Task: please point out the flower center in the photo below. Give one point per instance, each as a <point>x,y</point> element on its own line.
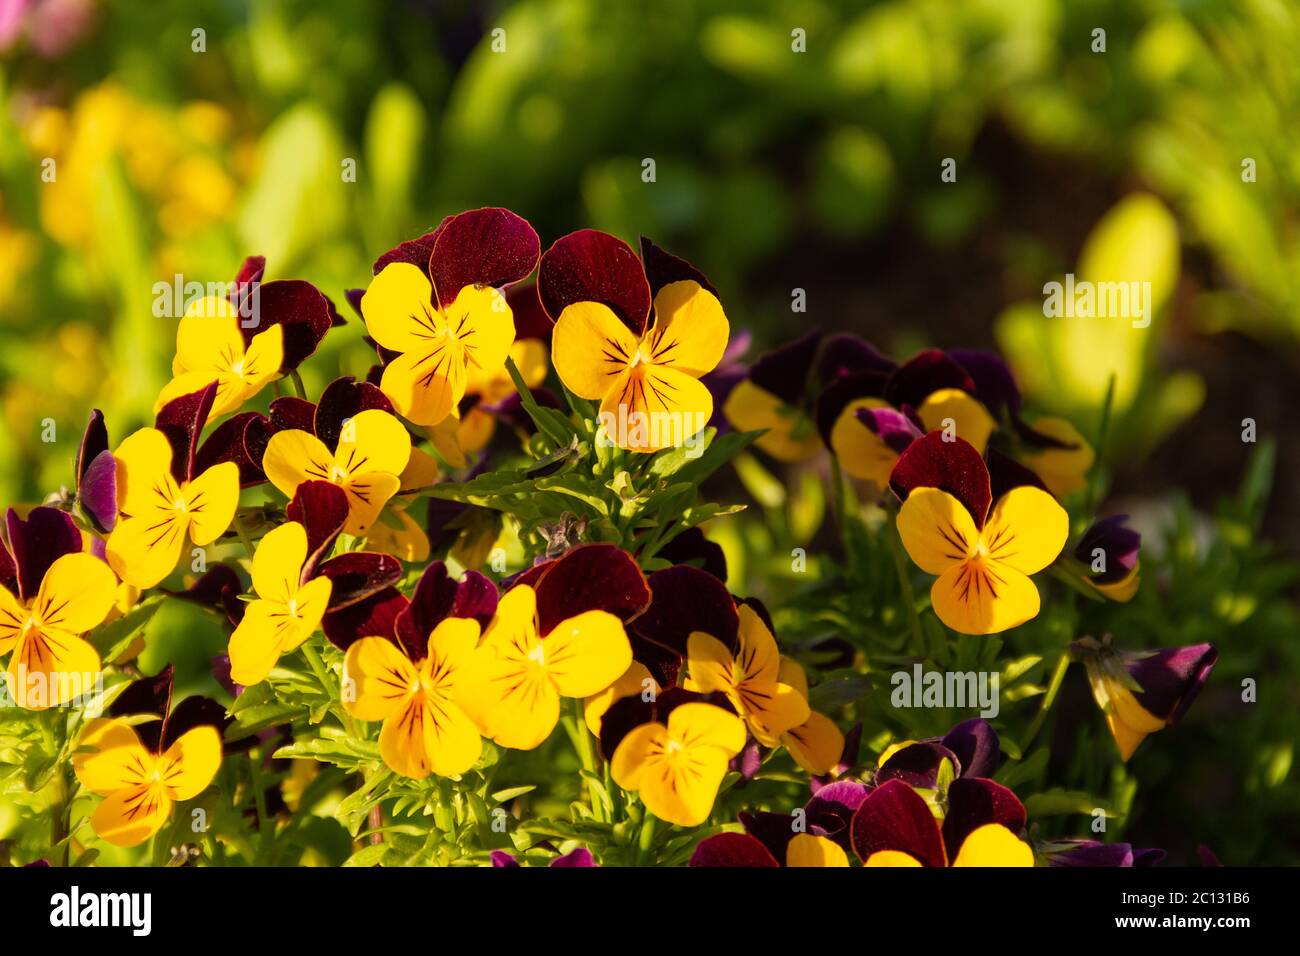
<point>238,369</point>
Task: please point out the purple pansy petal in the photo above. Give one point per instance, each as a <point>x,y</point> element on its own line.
<point>97,492</point>
<point>693,548</point>
<point>1005,473</point>
<point>685,600</point>
<point>94,441</point>
<point>995,386</point>
<point>785,370</point>
<point>1120,545</point>
<point>974,802</point>
<point>593,266</point>
<point>321,507</point>
<point>1091,853</point>
<point>229,441</point>
<point>476,597</point>
<point>923,375</point>
<point>500,858</point>
<point>896,429</point>
<point>975,744</point>
<point>181,420</point>
<point>749,761</point>
<point>431,602</point>
<point>1171,678</point>
<point>1207,856</point>
<point>847,354</point>
<point>482,247</point>
<point>372,616</point>
<point>895,817</point>
<point>590,577</point>
<point>342,399</point>
<point>663,268</point>
<point>47,535</point>
<point>221,674</point>
<point>955,467</point>
<point>353,297</point>
<point>581,857</point>
<point>918,765</point>
<point>356,575</point>
<point>832,807</point>
<point>732,849</point>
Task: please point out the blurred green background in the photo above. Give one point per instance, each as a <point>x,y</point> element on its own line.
<point>797,144</point>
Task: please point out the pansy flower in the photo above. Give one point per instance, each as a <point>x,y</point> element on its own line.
<point>365,458</point>
<point>435,305</point>
<point>634,334</point>
<point>1144,691</point>
<point>895,826</point>
<point>51,593</point>
<point>1053,449</point>
<point>983,550</point>
<point>816,837</point>
<point>419,684</point>
<point>676,767</point>
<point>290,600</point>
<point>301,311</point>
<point>1110,549</point>
<point>142,770</point>
<point>558,632</point>
<point>816,744</point>
<point>163,496</point>
<point>210,347</point>
<point>747,670</point>
<point>96,472</point>
<point>869,418</point>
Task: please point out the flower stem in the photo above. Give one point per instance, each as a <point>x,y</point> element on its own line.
<point>1049,699</point>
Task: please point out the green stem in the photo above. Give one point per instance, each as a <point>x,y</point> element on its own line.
<point>905,585</point>
<point>586,754</point>
<point>298,388</point>
<point>646,838</point>
<point>1049,699</point>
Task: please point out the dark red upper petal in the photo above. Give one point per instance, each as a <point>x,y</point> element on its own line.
<point>686,599</point>
<point>593,266</point>
<point>93,441</point>
<point>784,371</point>
<point>293,412</point>
<point>590,577</point>
<point>847,354</point>
<point>196,711</point>
<point>302,311</point>
<point>482,247</point>
<point>47,535</point>
<point>692,547</point>
<point>182,420</point>
<point>952,466</point>
<point>531,320</point>
<point>417,252</point>
<point>1006,473</point>
<point>732,849</point>
<point>918,764</point>
<point>342,399</point>
<point>372,616</point>
<point>995,386</point>
<point>895,817</point>
<point>355,575</point>
<point>663,268</point>
<point>242,439</point>
<point>321,507</point>
<point>974,802</point>
<point>924,374</point>
<point>843,391</point>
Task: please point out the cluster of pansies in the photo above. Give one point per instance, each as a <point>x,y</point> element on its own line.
<point>343,543</point>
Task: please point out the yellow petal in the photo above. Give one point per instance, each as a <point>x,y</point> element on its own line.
<point>791,672</point>
<point>590,347</point>
<point>446,440</point>
<point>937,530</point>
<point>403,740</point>
<point>816,745</point>
<point>586,653</point>
<point>293,456</point>
<point>367,494</point>
<point>425,386</point>
<point>395,532</point>
<point>278,561</point>
<point>311,603</point>
<point>398,308</point>
<point>77,593</point>
<point>377,678</point>
<point>709,663</point>
<point>758,653</point>
<point>700,725</point>
<point>772,709</point>
<point>862,453</point>
<point>791,435</point>
<point>211,499</point>
<point>1026,529</point>
<point>690,331</point>
<point>519,704</point>
<point>373,440</point>
<point>190,763</point>
<point>144,480</point>
<point>1129,721</point>
<point>229,394</point>
<point>984,597</point>
<point>50,667</point>
<point>891,858</point>
<point>420,471</point>
<point>452,738</point>
<point>258,641</point>
<point>807,849</point>
<point>677,769</point>
<point>484,328</point>
<point>1063,470</point>
<point>144,550</point>
<point>653,407</point>
<point>969,419</point>
<point>993,845</point>
<point>263,359</point>
<point>109,756</point>
<point>12,618</point>
<point>514,623</point>
<point>208,337</point>
<point>131,815</point>
<point>451,652</point>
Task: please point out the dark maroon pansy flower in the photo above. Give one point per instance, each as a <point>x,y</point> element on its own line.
<point>1119,544</point>
<point>628,713</point>
<point>96,472</point>
<point>153,695</point>
<point>588,577</point>
<point>46,535</point>
<point>974,802</point>
<point>302,311</point>
<point>951,466</point>
<point>684,600</point>
<point>321,507</point>
<point>438,596</point>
